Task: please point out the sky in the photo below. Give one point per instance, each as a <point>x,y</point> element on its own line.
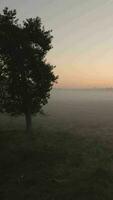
<point>83,38</point>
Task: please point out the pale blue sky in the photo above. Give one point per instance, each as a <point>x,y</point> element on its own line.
<point>83,38</point>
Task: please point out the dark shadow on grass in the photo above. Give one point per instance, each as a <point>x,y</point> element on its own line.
<point>56,166</point>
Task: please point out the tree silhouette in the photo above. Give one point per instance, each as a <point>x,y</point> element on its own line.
<point>26,79</point>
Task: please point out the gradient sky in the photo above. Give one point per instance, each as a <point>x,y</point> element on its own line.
<point>83,38</point>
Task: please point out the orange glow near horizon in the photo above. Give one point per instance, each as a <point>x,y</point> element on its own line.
<point>87,70</point>
<point>83,38</point>
<point>84,83</point>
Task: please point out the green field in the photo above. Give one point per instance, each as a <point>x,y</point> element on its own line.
<point>54,164</point>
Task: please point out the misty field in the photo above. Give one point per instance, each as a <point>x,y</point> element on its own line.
<point>70,154</point>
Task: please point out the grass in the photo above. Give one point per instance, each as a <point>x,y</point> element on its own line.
<point>55,166</point>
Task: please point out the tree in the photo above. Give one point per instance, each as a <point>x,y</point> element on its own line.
<point>26,78</point>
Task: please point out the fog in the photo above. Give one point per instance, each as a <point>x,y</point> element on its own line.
<point>73,109</point>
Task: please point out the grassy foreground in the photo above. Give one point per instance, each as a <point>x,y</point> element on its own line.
<point>55,166</point>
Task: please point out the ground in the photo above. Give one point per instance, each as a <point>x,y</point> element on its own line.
<point>56,165</point>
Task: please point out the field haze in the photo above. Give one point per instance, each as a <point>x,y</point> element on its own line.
<point>70,154</point>
<point>71,109</point>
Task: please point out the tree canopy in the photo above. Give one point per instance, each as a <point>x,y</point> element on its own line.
<point>26,78</point>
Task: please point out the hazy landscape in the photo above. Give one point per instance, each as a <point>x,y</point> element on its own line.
<point>70,153</point>
<point>69,110</point>
<point>56,141</point>
<point>81,108</point>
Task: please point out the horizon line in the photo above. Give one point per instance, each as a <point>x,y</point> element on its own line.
<point>85,88</point>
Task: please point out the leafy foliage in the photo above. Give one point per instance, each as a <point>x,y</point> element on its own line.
<point>25,77</point>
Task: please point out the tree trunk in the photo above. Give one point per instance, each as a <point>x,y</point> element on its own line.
<point>28,122</point>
